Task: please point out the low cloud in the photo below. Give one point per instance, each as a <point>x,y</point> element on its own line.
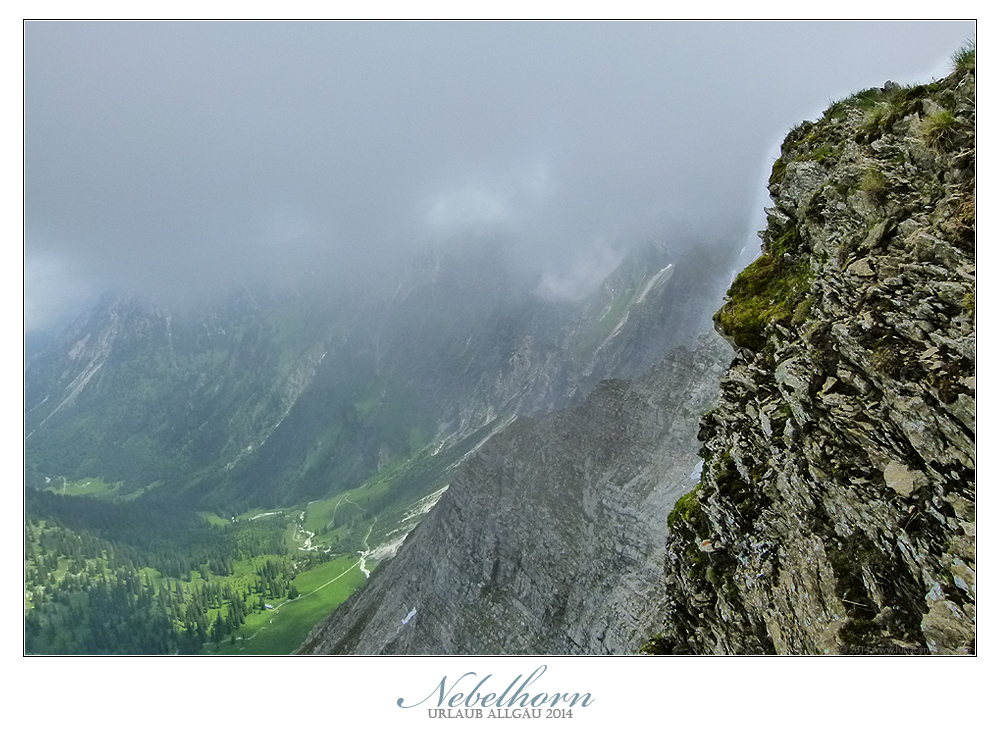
<point>582,277</point>
<point>467,208</point>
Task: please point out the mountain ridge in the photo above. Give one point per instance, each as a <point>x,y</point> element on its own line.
<point>836,512</point>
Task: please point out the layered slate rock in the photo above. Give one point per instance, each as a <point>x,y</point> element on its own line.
<point>836,512</point>
<point>550,539</point>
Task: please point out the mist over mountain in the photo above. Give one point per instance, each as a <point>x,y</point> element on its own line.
<point>281,392</point>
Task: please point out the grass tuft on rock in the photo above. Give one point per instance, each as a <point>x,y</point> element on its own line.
<point>937,127</point>
<point>965,58</point>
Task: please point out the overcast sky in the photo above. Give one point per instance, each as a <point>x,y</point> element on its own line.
<point>175,157</point>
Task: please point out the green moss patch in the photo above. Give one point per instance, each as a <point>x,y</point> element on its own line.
<point>687,508</point>
<point>768,291</point>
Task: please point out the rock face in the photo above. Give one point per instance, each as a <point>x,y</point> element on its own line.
<point>836,511</point>
<point>550,539</point>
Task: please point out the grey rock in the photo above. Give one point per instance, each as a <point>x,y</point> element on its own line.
<point>861,267</point>
<point>898,478</point>
<point>802,179</point>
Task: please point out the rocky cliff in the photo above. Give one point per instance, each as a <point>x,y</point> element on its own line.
<point>550,539</point>
<point>836,508</point>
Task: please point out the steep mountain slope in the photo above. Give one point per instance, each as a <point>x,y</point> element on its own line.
<point>131,393</point>
<point>549,540</point>
<point>285,396</point>
<point>836,512</point>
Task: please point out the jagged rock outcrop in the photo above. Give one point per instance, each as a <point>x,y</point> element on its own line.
<point>836,510</point>
<point>549,540</point>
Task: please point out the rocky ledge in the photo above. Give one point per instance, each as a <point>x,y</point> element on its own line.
<point>836,508</point>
